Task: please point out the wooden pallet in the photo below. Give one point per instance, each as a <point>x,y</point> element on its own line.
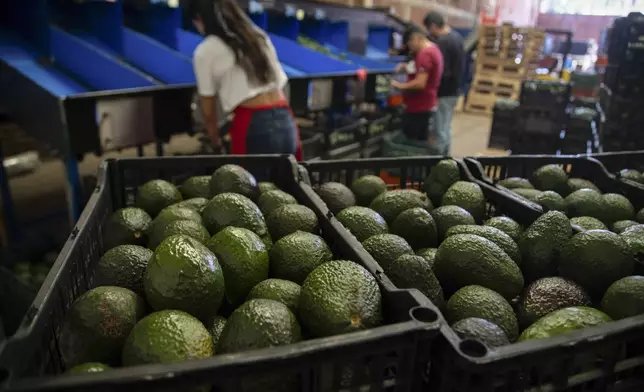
<point>501,85</point>
<point>505,69</point>
<point>482,101</point>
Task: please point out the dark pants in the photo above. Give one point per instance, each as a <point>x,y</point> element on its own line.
<point>264,130</point>
<point>417,126</point>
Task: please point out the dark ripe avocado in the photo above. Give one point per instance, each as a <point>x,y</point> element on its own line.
<point>198,186</point>
<point>167,216</point>
<point>155,195</point>
<point>634,237</point>
<point>184,275</point>
<point>563,321</point>
<point>530,194</point>
<point>243,258</point>
<point>616,208</point>
<point>495,235</point>
<point>575,184</point>
<point>339,297</point>
<point>269,201</point>
<point>266,186</point>
<point>595,259</point>
<point>468,259</point>
<point>89,367</point>
<point>233,179</point>
<point>216,327</point>
<point>551,201</point>
<point>541,245</point>
<point>233,209</point>
<point>551,178</point>
<point>97,324</point>
<point>429,254</point>
<point>481,302</point>
<point>467,195</point>
<point>290,218</point>
<point>196,203</point>
<point>482,330</point>
<point>506,225</point>
<point>414,272</point>
<point>588,223</point>
<point>167,336</point>
<point>367,188</point>
<point>362,222</point>
<point>585,202</point>
<point>259,323</point>
<point>620,226</point>
<point>446,217</point>
<point>336,196</point>
<point>293,257</point>
<point>632,175</point>
<point>123,266</point>
<point>386,248</point>
<point>624,298</point>
<point>127,226</point>
<point>417,227</point>
<point>279,290</point>
<point>516,183</point>
<point>392,203</point>
<point>547,295</point>
<point>188,227</point>
<point>441,177</point>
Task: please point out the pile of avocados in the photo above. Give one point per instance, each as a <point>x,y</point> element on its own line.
<point>219,264</point>
<point>632,175</point>
<point>495,280</point>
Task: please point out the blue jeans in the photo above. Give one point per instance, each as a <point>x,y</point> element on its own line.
<point>264,131</point>
<point>444,116</point>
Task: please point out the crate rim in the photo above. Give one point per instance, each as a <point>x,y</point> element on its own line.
<point>599,156</point>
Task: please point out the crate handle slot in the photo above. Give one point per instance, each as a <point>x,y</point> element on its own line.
<point>423,314</point>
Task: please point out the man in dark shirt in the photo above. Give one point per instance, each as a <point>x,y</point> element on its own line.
<point>451,46</point>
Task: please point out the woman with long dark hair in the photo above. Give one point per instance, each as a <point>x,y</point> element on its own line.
<point>237,67</point>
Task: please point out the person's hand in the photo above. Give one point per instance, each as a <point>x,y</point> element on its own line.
<point>400,67</point>
<point>216,141</point>
<point>396,84</point>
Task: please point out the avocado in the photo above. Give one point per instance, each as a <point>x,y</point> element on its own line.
<point>127,226</point>
<point>232,209</point>
<point>575,184</point>
<point>615,208</point>
<point>429,254</point>
<point>339,297</point>
<point>441,177</point>
<point>362,222</point>
<point>184,275</point>
<point>197,186</point>
<point>551,201</point>
<point>390,204</point>
<point>547,295</point>
<point>529,194</point>
<point>167,216</point>
<point>551,178</point>
<point>585,202</point>
<point>269,201</point>
<point>97,324</point>
<point>187,227</point>
<point>634,237</point>
<point>89,367</point>
<point>481,302</point>
<point>516,183</point>
<point>495,235</point>
<point>506,225</point>
<point>279,290</point>
<point>417,227</point>
<point>595,259</point>
<point>414,272</point>
<point>620,226</point>
<point>632,175</point>
<point>167,336</point>
<point>123,266</point>
<point>155,195</point>
<point>266,186</point>
<point>640,216</point>
<point>386,248</point>
<point>243,258</point>
<point>259,323</point>
<point>588,223</point>
<point>367,188</point>
<point>215,328</point>
<point>290,218</point>
<point>196,203</point>
<point>624,298</point>
<point>293,257</point>
<point>468,259</point>
<point>563,321</point>
<point>482,330</point>
<point>446,217</point>
<point>336,196</point>
<point>233,179</point>
<point>467,195</point>
<point>541,245</point>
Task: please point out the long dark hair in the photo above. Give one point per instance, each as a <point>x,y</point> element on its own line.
<point>226,20</point>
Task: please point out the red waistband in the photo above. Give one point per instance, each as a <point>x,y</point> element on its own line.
<point>240,110</point>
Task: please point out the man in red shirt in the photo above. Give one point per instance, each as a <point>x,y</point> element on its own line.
<point>420,92</point>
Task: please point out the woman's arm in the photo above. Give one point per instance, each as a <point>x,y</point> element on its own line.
<point>204,67</point>
<point>208,106</point>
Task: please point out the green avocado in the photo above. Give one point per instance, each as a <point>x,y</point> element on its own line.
<point>429,254</point>
<point>634,237</point>
<point>271,200</point>
<point>447,217</point>
<point>293,257</point>
<point>624,298</point>
<point>290,218</point>
<point>529,194</point>
<point>164,218</point>
<point>386,248</point>
<point>266,186</point>
<point>127,226</point>
<point>155,195</point>
<point>441,177</point>
<point>390,204</point>
<point>89,367</point>
<point>620,226</point>
<point>362,222</point>
<point>632,175</point>
<point>367,188</point>
<point>190,228</point>
<point>616,207</point>
<point>585,202</point>
<point>563,321</point>
<point>541,245</point>
<point>467,195</point>
<point>197,186</point>
<point>588,223</point>
<point>417,227</point>
<point>279,290</point>
<point>336,196</point>
<point>551,201</point>
<point>123,266</point>
<point>575,184</point>
<point>516,183</point>
<point>233,179</point>
<point>506,225</point>
<point>196,203</point>
<point>551,178</point>
<point>482,330</point>
<point>414,272</point>
<point>547,295</point>
<point>640,216</point>
<point>216,327</point>
<point>233,209</point>
<point>495,235</point>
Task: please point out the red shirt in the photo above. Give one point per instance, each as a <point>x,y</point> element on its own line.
<point>429,60</point>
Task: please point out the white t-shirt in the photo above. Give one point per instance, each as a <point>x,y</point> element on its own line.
<point>219,75</point>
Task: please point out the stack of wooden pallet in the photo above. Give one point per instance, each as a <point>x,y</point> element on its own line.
<point>506,56</point>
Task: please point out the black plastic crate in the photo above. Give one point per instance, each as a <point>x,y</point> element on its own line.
<point>542,94</point>
<point>617,161</point>
<point>391,357</point>
<point>504,124</point>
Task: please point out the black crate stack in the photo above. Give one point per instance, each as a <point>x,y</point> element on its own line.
<point>623,95</point>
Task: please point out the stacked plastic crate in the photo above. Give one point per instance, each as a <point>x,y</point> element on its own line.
<point>623,98</point>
